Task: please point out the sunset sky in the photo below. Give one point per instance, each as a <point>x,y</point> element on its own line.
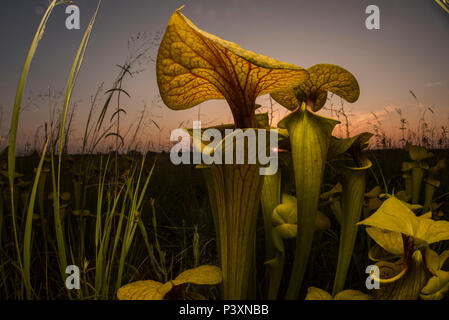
<point>409,52</point>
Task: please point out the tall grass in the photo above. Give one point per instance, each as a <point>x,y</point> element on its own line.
<point>114,230</point>
<point>15,121</point>
<point>85,209</point>
<point>29,225</point>
<point>57,180</point>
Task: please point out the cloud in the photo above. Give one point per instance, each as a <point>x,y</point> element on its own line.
<point>434,84</point>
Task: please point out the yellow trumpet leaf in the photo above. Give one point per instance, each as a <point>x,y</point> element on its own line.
<point>141,290</point>
<point>194,66</point>
<point>205,274</point>
<point>285,218</point>
<point>339,146</point>
<point>314,293</point>
<point>154,290</point>
<point>322,78</point>
<point>352,295</point>
<point>394,215</point>
<point>417,153</point>
<point>374,192</point>
<point>332,192</point>
<point>388,240</point>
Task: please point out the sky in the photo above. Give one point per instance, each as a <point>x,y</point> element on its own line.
<point>408,52</point>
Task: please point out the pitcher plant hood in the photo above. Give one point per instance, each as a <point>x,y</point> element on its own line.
<point>313,91</point>
<point>194,66</point>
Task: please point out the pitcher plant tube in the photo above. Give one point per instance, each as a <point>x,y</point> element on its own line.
<point>417,167</point>
<point>194,66</point>
<point>310,138</point>
<point>353,173</point>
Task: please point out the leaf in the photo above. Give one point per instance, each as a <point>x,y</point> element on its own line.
<point>402,195</point>
<point>443,4</point>
<point>194,66</point>
<point>388,240</point>
<point>388,270</point>
<point>374,192</point>
<point>277,242</point>
<point>377,253</point>
<point>394,215</point>
<point>286,98</point>
<point>65,196</point>
<point>432,260</point>
<point>322,221</point>
<point>441,164</point>
<point>407,166</point>
<point>263,120</point>
<point>285,220</point>
<point>154,290</point>
<point>284,213</point>
<point>288,199</point>
<point>437,286</point>
<point>433,182</point>
<point>332,192</point>
<point>117,112</point>
<point>287,231</point>
<point>352,295</point>
<point>83,213</point>
<point>443,257</point>
<point>338,146</point>
<point>141,290</point>
<point>5,174</point>
<point>116,135</point>
<point>119,90</point>
<point>206,274</point>
<point>418,153</point>
<point>322,78</point>
<point>314,293</point>
<point>373,203</point>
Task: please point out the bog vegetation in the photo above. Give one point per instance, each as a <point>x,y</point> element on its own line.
<point>139,227</point>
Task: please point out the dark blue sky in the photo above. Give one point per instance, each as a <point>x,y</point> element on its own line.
<point>410,51</point>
